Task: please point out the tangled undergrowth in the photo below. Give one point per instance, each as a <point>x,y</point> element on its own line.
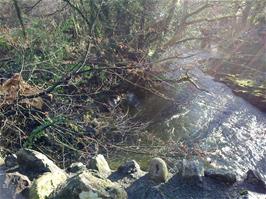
<point>70,69</point>
<point>68,93</point>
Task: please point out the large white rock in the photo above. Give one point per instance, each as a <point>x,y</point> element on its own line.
<point>87,186</point>
<point>47,183</point>
<point>100,164</point>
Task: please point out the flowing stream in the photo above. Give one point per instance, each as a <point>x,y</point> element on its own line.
<point>228,129</point>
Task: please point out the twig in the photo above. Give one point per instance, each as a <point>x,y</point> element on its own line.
<point>18,11</point>
<point>197,10</point>
<point>65,79</point>
<point>34,5</point>
<point>194,84</point>
<point>80,13</point>
<point>173,57</point>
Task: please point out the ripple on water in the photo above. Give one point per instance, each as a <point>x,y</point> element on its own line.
<point>225,126</point>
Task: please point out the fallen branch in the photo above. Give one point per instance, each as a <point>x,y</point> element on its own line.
<point>173,57</point>
<point>66,78</point>
<point>34,5</point>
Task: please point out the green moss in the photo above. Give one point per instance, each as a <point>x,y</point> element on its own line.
<point>3,43</point>
<point>142,159</point>
<point>241,82</point>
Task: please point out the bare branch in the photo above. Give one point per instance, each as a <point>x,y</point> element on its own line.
<point>18,11</point>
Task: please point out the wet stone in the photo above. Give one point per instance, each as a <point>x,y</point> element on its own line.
<point>221,175</point>
<point>254,178</point>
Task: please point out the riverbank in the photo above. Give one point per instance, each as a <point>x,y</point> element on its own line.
<point>34,176</point>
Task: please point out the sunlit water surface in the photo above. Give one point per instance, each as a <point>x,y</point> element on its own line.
<point>229,130</point>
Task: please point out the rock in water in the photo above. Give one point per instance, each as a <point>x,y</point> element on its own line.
<point>34,163</point>
<point>46,184</point>
<point>100,164</point>
<point>86,186</point>
<point>254,178</point>
<point>158,170</point>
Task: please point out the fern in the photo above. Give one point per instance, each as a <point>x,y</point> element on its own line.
<point>39,132</point>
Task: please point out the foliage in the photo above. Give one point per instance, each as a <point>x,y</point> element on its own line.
<point>39,131</point>
<point>88,53</point>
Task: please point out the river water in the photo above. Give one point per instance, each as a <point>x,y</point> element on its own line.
<point>226,128</point>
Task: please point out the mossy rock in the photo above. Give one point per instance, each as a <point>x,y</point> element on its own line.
<point>100,164</point>
<point>158,170</point>
<point>87,186</point>
<point>43,186</point>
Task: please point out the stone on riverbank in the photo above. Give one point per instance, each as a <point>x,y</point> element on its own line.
<point>2,161</point>
<point>254,178</point>
<point>158,170</point>
<point>129,181</point>
<point>99,164</point>
<point>34,163</point>
<point>17,184</point>
<point>222,175</point>
<point>130,167</point>
<point>192,169</point>
<point>11,160</point>
<point>86,186</point>
<point>43,186</point>
<point>76,167</point>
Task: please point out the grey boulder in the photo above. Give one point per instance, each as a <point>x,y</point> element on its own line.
<point>222,175</point>
<point>100,164</point>
<point>34,163</point>
<point>85,186</point>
